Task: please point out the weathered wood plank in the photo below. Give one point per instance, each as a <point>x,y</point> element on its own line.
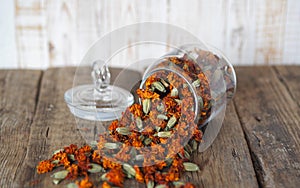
<point>290,76</point>
<point>270,119</point>
<point>18,94</point>
<point>227,163</point>
<point>54,127</point>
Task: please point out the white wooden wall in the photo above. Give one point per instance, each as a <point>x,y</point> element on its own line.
<point>58,32</point>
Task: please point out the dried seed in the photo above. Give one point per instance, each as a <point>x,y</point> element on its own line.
<point>174,92</point>
<point>190,166</point>
<point>139,157</point>
<point>55,161</point>
<point>178,101</point>
<point>147,141</point>
<point>186,67</point>
<point>152,88</point>
<point>162,116</point>
<point>57,151</point>
<point>146,105</point>
<point>188,148</point>
<point>96,168</point>
<point>171,122</point>
<point>169,161</point>
<point>200,102</point>
<point>72,185</point>
<point>110,145</point>
<point>161,186</point>
<point>178,184</point>
<point>160,107</point>
<point>56,181</point>
<point>139,123</point>
<point>94,144</point>
<point>60,174</point>
<point>132,152</point>
<point>186,154</point>
<point>71,156</point>
<point>194,145</point>
<point>164,134</point>
<point>159,86</point>
<point>123,130</point>
<point>180,155</point>
<point>150,184</point>
<point>196,83</point>
<point>129,169</point>
<point>157,128</point>
<point>142,137</point>
<point>164,82</point>
<point>103,177</point>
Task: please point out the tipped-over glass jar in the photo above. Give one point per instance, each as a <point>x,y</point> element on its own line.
<point>201,79</point>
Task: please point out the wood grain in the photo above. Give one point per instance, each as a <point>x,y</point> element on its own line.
<point>290,76</point>
<point>249,32</point>
<point>270,118</point>
<point>227,163</point>
<point>19,94</point>
<point>53,127</point>
<point>263,118</point>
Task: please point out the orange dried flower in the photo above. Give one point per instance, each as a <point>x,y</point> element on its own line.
<point>165,121</point>
<point>136,110</point>
<point>197,135</point>
<point>139,175</point>
<point>85,149</point>
<point>73,172</point>
<point>113,125</point>
<point>189,185</point>
<point>65,161</point>
<point>85,183</point>
<point>116,176</point>
<point>150,80</point>
<point>45,166</point>
<point>70,149</point>
<point>105,185</point>
<point>146,94</point>
<point>96,158</point>
<point>107,163</point>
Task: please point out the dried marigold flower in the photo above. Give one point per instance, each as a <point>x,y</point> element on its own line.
<point>172,175</point>
<point>85,149</point>
<point>85,183</point>
<point>96,158</point>
<point>139,175</point>
<point>197,135</point>
<point>59,156</point>
<point>45,166</point>
<point>146,94</point>
<point>136,110</point>
<point>70,149</point>
<point>189,185</point>
<point>116,176</point>
<point>114,125</point>
<point>107,163</point>
<point>105,185</point>
<point>73,172</point>
<point>65,161</point>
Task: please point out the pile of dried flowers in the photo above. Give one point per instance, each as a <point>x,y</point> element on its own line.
<point>147,142</point>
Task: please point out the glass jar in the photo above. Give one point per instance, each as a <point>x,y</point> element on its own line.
<point>202,80</point>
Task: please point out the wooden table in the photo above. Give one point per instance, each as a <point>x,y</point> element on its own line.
<point>258,145</point>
